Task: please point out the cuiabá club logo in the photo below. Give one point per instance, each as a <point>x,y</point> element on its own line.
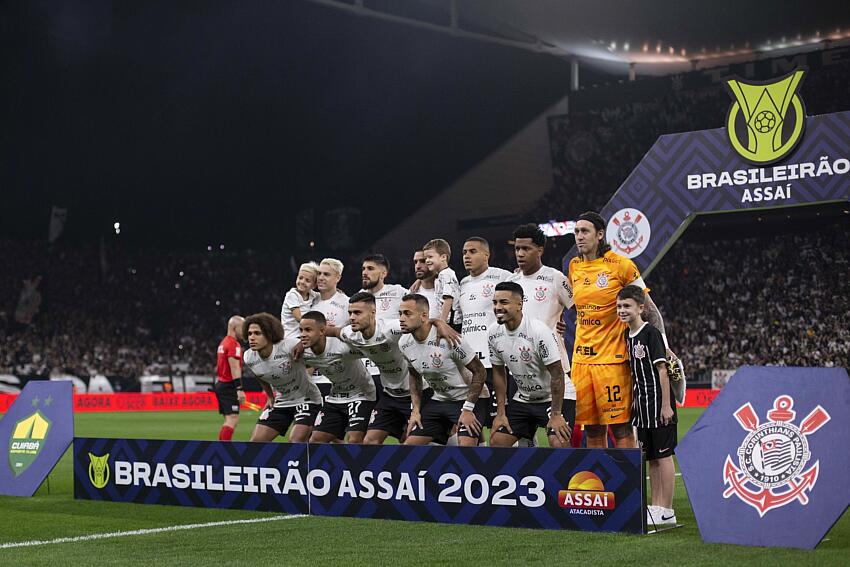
<point>760,125</point>
<point>27,441</point>
<point>772,459</point>
<point>585,491</point>
<point>628,233</point>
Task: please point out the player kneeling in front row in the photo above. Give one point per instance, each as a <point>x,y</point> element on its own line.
<point>292,396</point>
<point>653,409</point>
<point>529,349</point>
<point>446,368</point>
<point>349,404</point>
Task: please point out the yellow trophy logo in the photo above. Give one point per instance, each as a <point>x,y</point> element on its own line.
<point>27,441</point>
<point>760,126</point>
<point>99,470</point>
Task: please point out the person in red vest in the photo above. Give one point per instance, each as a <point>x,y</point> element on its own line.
<point>228,386</point>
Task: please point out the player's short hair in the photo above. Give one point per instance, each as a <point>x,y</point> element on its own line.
<point>379,259</point>
<point>421,301</point>
<point>333,263</point>
<point>599,224</point>
<point>270,326</point>
<point>311,267</point>
<point>316,316</point>
<point>440,246</point>
<point>512,287</point>
<point>632,292</point>
<point>480,240</point>
<point>532,231</point>
<point>362,297</point>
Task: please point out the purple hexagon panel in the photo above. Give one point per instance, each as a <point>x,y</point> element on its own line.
<point>766,464</point>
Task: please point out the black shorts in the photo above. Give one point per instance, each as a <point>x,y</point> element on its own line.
<point>439,418</point>
<point>228,401</point>
<point>336,418</point>
<point>391,415</point>
<point>324,388</point>
<point>511,390</point>
<point>280,419</point>
<point>525,417</point>
<point>658,442</point>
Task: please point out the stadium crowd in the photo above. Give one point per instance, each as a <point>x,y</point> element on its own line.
<point>100,309</point>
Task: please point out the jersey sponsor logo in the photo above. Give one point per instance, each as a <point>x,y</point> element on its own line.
<point>27,441</point>
<point>585,350</point>
<point>544,350</point>
<point>586,495</point>
<point>540,293</point>
<point>639,351</point>
<point>602,280</point>
<point>525,354</point>
<point>757,119</point>
<point>772,458</point>
<point>436,360</point>
<point>487,290</point>
<point>99,470</point>
<point>629,232</point>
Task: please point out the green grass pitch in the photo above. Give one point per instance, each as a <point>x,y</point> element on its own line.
<point>332,541</point>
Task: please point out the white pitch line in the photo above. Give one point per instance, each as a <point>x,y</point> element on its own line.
<point>108,535</point>
<point>677,474</point>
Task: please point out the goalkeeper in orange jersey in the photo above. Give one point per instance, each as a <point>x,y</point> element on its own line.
<point>600,366</point>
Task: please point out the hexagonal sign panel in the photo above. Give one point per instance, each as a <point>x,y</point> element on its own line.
<point>766,464</point>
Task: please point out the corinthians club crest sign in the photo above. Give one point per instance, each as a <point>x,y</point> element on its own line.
<point>773,457</point>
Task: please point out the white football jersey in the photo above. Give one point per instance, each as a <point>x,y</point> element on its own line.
<point>335,311</point>
<point>387,301</point>
<point>475,305</point>
<point>428,293</point>
<point>383,352</point>
<point>526,351</point>
<point>446,285</point>
<point>547,293</point>
<point>341,364</point>
<point>440,364</point>
<point>288,378</point>
<point>292,301</point>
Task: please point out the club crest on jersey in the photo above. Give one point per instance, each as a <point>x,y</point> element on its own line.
<point>602,281</point>
<point>540,293</point>
<point>525,354</point>
<point>639,351</point>
<point>773,456</point>
<point>487,290</point>
<point>436,360</point>
<point>628,232</point>
<point>385,303</point>
<point>385,347</point>
<point>285,365</point>
<point>337,367</point>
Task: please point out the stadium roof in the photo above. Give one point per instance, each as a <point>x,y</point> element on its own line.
<point>660,37</point>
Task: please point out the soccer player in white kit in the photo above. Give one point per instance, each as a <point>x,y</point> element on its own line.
<point>292,398</point>
<point>333,304</point>
<point>475,304</point>
<point>547,292</point>
<point>375,269</point>
<point>456,399</point>
<point>299,299</point>
<point>424,284</point>
<point>529,349</point>
<point>349,404</point>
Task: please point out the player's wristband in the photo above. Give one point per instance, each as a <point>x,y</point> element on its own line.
<point>469,406</point>
<point>664,339</point>
<point>238,383</point>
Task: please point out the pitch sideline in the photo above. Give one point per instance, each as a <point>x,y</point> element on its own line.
<point>147,531</point>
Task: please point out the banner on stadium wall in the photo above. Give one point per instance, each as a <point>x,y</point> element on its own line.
<point>766,464</point>
<point>35,432</point>
<point>769,156</point>
<point>579,489</point>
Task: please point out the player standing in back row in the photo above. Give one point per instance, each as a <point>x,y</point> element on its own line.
<point>600,362</point>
